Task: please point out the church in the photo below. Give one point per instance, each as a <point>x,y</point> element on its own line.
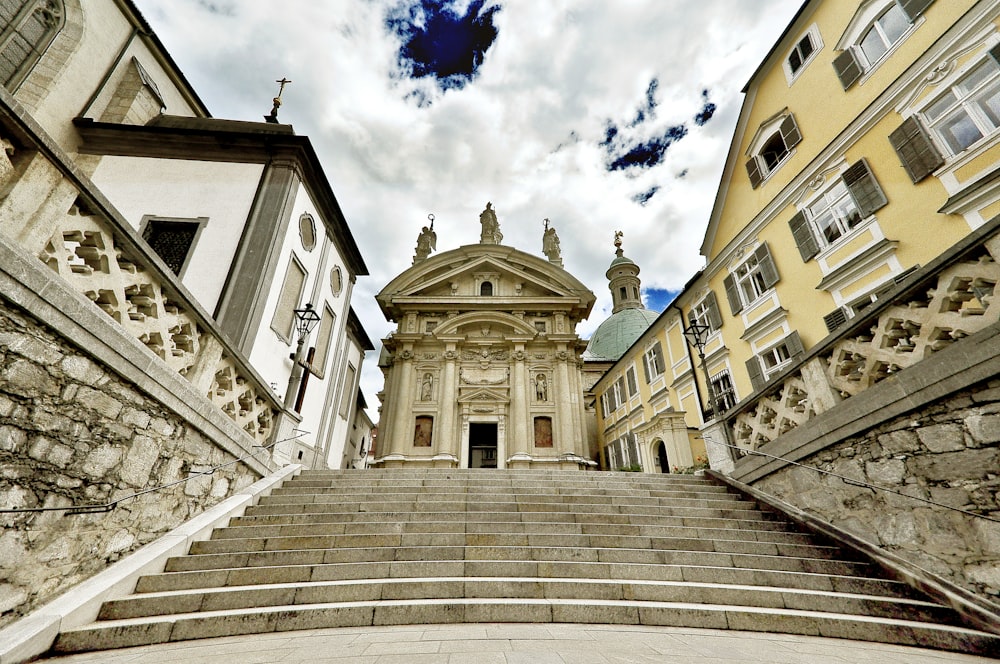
<point>484,368</point>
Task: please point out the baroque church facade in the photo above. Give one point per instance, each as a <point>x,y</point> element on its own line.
<point>484,368</point>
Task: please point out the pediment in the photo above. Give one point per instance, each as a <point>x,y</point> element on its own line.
<point>484,395</point>
<point>485,324</point>
<point>464,280</point>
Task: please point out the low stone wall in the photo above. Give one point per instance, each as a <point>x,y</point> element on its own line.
<point>948,452</point>
<point>72,432</point>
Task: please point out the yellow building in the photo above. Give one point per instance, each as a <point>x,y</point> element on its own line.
<point>867,145</point>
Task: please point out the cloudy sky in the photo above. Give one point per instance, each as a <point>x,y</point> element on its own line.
<point>600,115</point>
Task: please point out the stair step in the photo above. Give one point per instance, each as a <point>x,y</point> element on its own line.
<point>258,620</point>
<point>327,592</point>
<point>353,548</point>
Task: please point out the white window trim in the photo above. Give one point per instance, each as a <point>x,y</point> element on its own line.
<point>765,133</point>
<point>817,41</point>
<point>827,247</point>
<point>858,28</point>
<point>955,161</point>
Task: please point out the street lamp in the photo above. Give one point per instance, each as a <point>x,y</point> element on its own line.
<point>305,321</point>
<point>697,335</point>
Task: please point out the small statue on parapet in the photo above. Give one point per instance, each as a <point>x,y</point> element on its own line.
<point>426,241</point>
<point>550,245</point>
<point>491,227</point>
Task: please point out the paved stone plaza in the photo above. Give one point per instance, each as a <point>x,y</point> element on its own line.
<point>520,644</point>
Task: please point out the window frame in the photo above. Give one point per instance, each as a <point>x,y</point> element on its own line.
<point>150,220</point>
<point>55,13</point>
<point>858,185</point>
<point>853,66</point>
<point>765,267</point>
<point>816,42</point>
<point>727,395</point>
<point>652,356</point>
<point>966,104</point>
<point>318,365</point>
<point>761,372</point>
<point>706,312</point>
<point>783,128</point>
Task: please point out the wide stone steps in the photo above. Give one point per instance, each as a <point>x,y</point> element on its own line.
<point>338,549</point>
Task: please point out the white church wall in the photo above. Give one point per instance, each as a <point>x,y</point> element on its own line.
<point>221,193</point>
<point>270,353</point>
<point>82,56</point>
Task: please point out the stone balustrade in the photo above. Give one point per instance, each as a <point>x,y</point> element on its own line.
<point>933,308</point>
<point>49,209</point>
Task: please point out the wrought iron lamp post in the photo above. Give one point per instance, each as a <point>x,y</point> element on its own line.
<point>697,335</point>
<point>305,321</point>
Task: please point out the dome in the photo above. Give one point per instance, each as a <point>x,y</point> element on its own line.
<point>622,259</point>
<point>614,336</point>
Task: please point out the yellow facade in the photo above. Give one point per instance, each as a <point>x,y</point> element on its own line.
<point>823,204</point>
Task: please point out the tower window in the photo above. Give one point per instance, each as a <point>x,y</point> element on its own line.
<point>486,288</point>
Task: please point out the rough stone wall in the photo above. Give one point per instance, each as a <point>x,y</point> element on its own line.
<point>949,453</point>
<point>73,433</point>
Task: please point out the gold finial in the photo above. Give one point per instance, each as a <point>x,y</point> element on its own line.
<point>273,117</point>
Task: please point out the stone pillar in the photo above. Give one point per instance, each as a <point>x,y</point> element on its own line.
<point>518,442</point>
<point>403,402</point>
<point>564,407</point>
<point>822,395</point>
<point>448,441</point>
<point>720,455</point>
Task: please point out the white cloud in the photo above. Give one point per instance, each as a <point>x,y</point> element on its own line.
<point>557,69</point>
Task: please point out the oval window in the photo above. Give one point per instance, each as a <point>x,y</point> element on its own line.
<point>307,231</point>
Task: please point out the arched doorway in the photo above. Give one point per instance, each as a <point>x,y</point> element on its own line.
<point>661,456</point>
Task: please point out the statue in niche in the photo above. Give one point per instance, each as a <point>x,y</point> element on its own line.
<point>491,227</point>
<point>426,386</point>
<point>550,244</point>
<point>426,241</point>
<point>541,388</point>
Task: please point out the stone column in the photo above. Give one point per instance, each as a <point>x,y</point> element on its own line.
<point>518,442</point>
<point>822,395</point>
<point>448,440</point>
<point>564,407</point>
<point>403,404</point>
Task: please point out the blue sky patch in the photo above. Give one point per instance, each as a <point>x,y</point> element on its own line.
<point>643,196</point>
<point>658,299</point>
<point>707,110</point>
<point>439,42</point>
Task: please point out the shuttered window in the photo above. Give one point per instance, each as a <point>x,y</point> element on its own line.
<point>876,39</point>
<point>752,278</point>
<point>773,151</point>
<point>774,360</point>
<point>916,150</point>
<point>706,312</point>
<point>652,362</point>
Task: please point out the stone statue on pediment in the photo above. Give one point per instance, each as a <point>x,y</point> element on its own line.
<point>550,244</point>
<point>426,243</point>
<point>491,227</point>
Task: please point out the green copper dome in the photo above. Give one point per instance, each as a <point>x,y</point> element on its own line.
<point>614,336</point>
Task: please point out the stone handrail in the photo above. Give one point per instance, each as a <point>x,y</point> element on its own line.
<point>937,305</point>
<point>52,210</point>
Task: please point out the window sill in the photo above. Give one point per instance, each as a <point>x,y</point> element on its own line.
<point>830,249</point>
<point>961,159</point>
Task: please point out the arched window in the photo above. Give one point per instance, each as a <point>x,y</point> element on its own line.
<point>30,26</point>
<point>486,288</point>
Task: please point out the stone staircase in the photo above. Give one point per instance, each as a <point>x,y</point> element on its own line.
<point>355,548</point>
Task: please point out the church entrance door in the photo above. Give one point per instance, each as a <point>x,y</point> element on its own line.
<point>482,445</point>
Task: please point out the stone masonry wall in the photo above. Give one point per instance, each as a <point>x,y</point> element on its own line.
<point>73,433</point>
<point>949,453</point>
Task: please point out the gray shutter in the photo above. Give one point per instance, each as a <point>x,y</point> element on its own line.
<point>835,319</point>
<point>768,269</point>
<point>995,52</point>
<point>804,238</point>
<point>645,368</point>
<point>753,170</point>
<point>914,8</point>
<point>732,294</point>
<point>714,315</point>
<point>848,68</point>
<point>790,133</point>
<point>794,344</point>
<point>918,153</point>
<point>658,351</point>
<point>864,188</point>
<point>756,373</point>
